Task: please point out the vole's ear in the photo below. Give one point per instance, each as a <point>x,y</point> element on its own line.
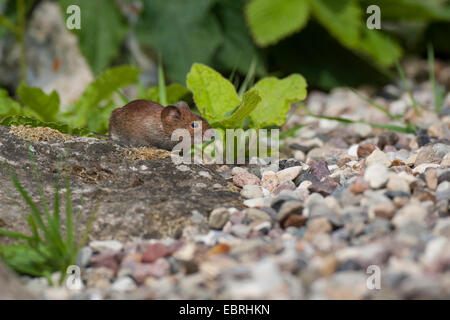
<point>183,105</point>
<point>170,114</point>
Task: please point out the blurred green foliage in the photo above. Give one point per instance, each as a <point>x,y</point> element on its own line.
<point>228,34</point>
<point>90,113</point>
<point>102,33</point>
<point>327,41</point>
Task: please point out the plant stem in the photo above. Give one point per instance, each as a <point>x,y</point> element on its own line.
<point>161,84</point>
<point>372,103</point>
<point>437,97</point>
<point>9,25</point>
<point>248,78</point>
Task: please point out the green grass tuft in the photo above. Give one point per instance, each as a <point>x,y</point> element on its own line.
<point>46,250</point>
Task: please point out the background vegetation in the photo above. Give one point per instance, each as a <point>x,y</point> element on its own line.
<point>326,41</point>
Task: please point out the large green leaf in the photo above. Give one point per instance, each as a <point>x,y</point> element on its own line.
<point>330,68</point>
<point>213,94</point>
<point>102,31</point>
<point>271,21</point>
<point>411,10</point>
<point>249,102</point>
<point>46,106</point>
<point>7,105</point>
<point>378,45</point>
<point>343,19</point>
<point>102,88</point>
<point>183,32</point>
<point>276,98</point>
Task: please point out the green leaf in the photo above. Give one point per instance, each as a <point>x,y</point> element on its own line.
<point>270,21</point>
<point>34,123</point>
<point>182,31</point>
<point>24,259</point>
<point>330,68</point>
<point>343,19</point>
<point>381,47</point>
<point>7,105</point>
<point>46,106</point>
<point>102,88</point>
<point>411,10</point>
<point>213,94</point>
<point>292,131</point>
<point>103,30</point>
<point>249,103</point>
<point>15,235</point>
<point>175,92</point>
<point>276,98</point>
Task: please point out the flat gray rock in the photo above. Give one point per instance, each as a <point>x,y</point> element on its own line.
<point>135,198</point>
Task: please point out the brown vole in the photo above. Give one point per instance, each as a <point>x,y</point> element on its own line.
<point>147,123</point>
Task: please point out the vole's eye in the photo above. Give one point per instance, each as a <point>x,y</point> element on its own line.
<point>194,124</point>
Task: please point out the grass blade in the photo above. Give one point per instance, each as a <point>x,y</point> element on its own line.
<point>438,95</point>
<point>122,96</point>
<point>405,83</point>
<point>89,226</point>
<point>233,72</point>
<point>375,105</point>
<point>248,78</point>
<point>54,233</point>
<point>69,220</point>
<point>15,235</point>
<point>162,84</point>
<point>291,131</point>
<point>408,128</point>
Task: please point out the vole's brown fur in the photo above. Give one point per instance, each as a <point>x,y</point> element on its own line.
<point>147,123</point>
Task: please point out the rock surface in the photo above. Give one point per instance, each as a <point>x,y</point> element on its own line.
<point>135,198</point>
<point>11,287</point>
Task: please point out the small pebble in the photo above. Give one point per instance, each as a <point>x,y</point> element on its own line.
<point>378,157</point>
<point>218,217</point>
<point>376,175</point>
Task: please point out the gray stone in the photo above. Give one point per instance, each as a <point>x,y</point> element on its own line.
<point>84,256</point>
<point>378,157</point>
<point>410,212</point>
<point>257,215</point>
<point>442,228</point>
<point>443,191</point>
<point>288,208</point>
<point>106,245</point>
<point>240,230</point>
<point>440,150</point>
<point>376,175</point>
<point>218,218</point>
<point>288,173</point>
<point>251,191</point>
<point>124,284</point>
<point>396,183</point>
